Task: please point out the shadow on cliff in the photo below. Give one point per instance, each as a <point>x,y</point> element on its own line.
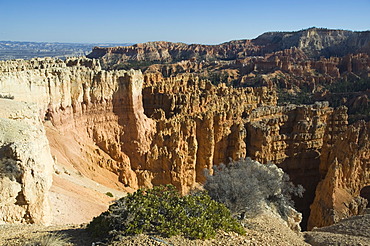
<point>136,127</point>
<point>8,164</point>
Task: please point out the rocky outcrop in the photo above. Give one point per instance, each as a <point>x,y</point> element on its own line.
<point>146,129</point>
<point>161,51</point>
<point>306,66</point>
<point>198,125</point>
<point>102,108</point>
<point>350,231</point>
<point>299,79</point>
<point>314,42</point>
<point>294,137</point>
<point>291,68</point>
<point>345,169</point>
<point>26,165</point>
<point>164,145</point>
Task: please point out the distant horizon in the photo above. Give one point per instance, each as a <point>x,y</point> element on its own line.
<point>128,43</point>
<point>56,42</point>
<point>191,22</point>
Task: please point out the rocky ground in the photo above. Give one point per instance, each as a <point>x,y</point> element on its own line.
<point>351,231</point>
<point>263,230</point>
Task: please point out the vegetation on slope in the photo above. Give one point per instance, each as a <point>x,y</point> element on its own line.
<point>162,210</point>
<point>353,94</point>
<point>245,186</point>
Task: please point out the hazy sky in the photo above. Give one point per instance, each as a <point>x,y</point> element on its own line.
<point>190,21</point>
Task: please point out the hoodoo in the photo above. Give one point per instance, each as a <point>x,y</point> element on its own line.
<point>190,108</point>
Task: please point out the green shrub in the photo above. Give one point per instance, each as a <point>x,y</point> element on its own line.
<point>162,210</point>
<point>109,194</point>
<point>351,85</point>
<point>245,186</point>
<point>303,97</point>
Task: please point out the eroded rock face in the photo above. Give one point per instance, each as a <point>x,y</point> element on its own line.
<point>314,42</point>
<point>346,171</point>
<point>26,165</point>
<point>149,130</point>
<point>198,125</point>
<point>294,138</point>
<point>317,42</point>
<point>102,108</point>
<point>188,124</point>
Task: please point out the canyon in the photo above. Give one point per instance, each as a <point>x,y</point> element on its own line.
<point>126,129</point>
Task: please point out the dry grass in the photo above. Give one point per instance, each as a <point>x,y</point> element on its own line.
<point>51,239</point>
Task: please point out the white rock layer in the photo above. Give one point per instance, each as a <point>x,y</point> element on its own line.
<point>26,165</point>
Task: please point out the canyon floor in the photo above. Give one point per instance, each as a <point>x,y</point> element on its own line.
<point>263,230</point>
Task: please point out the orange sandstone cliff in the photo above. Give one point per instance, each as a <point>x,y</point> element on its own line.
<point>125,129</point>
<point>346,171</point>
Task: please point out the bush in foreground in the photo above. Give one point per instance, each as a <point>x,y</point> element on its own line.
<point>245,186</point>
<point>162,210</point>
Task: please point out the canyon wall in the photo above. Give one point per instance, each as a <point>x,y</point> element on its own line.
<point>105,109</point>
<point>298,78</point>
<point>314,42</point>
<point>198,125</point>
<point>346,170</point>
<point>294,137</point>
<point>101,108</point>
<point>26,165</point>
<point>148,130</point>
<point>286,69</point>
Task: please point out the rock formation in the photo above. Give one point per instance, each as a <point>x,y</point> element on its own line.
<point>78,96</point>
<point>346,170</point>
<point>168,124</point>
<point>26,165</point>
<point>198,125</point>
<point>314,42</point>
<point>106,109</point>
<point>294,137</point>
<point>286,69</point>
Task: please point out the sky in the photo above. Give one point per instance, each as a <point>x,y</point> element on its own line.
<point>202,21</point>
